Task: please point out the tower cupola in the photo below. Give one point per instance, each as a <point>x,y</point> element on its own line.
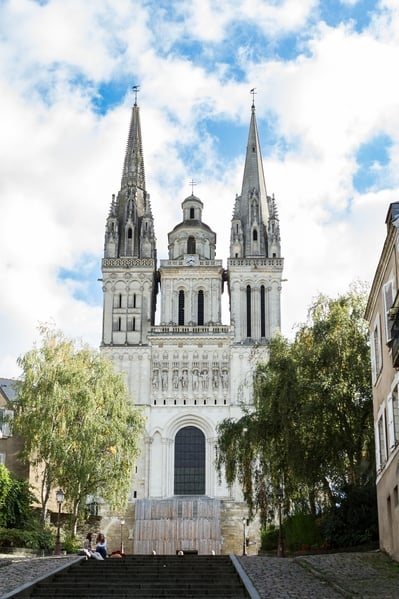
<point>192,236</point>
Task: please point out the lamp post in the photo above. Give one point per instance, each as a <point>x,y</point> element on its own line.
<point>280,546</point>
<point>244,536</point>
<point>122,523</point>
<point>60,498</point>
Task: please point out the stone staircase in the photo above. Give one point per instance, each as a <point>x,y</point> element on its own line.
<point>145,577</point>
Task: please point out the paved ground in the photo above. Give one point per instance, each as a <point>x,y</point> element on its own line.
<point>330,576</point>
<point>333,576</point>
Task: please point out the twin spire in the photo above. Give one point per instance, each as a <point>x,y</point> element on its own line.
<point>130,226</point>
<point>255,228</point>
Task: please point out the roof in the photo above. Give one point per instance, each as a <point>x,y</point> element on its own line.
<point>8,388</point>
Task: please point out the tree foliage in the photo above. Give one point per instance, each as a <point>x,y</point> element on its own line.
<point>310,427</point>
<point>78,425</point>
<point>16,500</point>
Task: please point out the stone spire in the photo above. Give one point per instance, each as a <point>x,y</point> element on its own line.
<point>253,181</point>
<point>252,210</point>
<point>133,168</point>
<point>130,226</point>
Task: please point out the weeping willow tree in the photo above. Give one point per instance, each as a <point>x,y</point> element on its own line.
<point>310,427</point>
<point>78,425</point>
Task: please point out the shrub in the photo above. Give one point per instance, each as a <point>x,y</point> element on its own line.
<point>40,539</point>
<point>302,530</point>
<point>269,538</point>
<point>71,545</point>
<point>353,520</point>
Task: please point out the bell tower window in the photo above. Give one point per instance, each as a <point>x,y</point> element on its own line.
<point>191,245</point>
<point>181,308</point>
<point>192,213</point>
<point>200,308</point>
<point>255,235</point>
<point>129,241</point>
<point>248,311</point>
<point>262,312</point>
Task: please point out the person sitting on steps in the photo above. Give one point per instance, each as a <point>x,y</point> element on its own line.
<point>87,548</point>
<point>101,545</point>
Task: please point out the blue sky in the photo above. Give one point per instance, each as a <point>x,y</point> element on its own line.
<point>327,106</point>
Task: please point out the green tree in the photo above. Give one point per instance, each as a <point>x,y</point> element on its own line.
<point>310,426</point>
<point>5,486</point>
<point>334,355</point>
<point>16,500</point>
<point>78,425</point>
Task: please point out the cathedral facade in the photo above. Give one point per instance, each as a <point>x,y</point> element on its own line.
<point>190,371</point>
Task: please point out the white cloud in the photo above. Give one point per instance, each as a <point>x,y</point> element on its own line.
<point>60,160</point>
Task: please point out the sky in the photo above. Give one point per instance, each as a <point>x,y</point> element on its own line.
<point>327,107</point>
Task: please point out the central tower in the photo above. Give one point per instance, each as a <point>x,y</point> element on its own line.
<point>189,372</point>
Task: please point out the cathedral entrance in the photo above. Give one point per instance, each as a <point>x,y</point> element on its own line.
<point>190,524</point>
<point>189,475</point>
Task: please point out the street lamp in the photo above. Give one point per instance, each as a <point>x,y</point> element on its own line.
<point>60,498</point>
<point>280,546</point>
<point>122,523</point>
<point>244,536</point>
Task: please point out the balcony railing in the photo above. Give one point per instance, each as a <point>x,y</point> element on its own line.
<point>215,329</point>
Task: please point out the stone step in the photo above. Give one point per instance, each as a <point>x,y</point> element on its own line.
<point>146,577</point>
<point>149,595</point>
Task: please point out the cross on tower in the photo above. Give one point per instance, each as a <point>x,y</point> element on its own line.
<point>136,89</point>
<point>253,92</point>
<point>192,183</point>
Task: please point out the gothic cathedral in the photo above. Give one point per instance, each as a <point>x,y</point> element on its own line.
<point>190,371</point>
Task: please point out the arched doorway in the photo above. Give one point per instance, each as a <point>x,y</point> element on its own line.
<point>189,476</point>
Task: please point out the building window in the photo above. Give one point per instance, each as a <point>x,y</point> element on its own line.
<point>118,300</point>
<point>255,235</point>
<point>381,441</point>
<point>248,311</point>
<point>388,297</point>
<point>192,213</point>
<point>376,353</point>
<point>181,308</point>
<point>191,245</point>
<point>200,308</point>
<point>262,312</point>
<point>117,324</point>
<point>129,241</point>
<point>5,422</point>
<point>393,420</point>
<point>92,508</point>
<point>131,323</point>
<point>189,462</point>
<point>2,458</point>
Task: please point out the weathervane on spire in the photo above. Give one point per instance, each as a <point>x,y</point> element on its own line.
<point>136,89</point>
<point>192,183</point>
<point>253,92</point>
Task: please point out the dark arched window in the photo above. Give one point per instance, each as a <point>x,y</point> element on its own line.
<point>192,213</point>
<point>189,462</point>
<point>248,311</point>
<point>129,247</point>
<point>200,307</point>
<point>255,235</point>
<point>262,312</point>
<point>191,245</point>
<point>181,308</point>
